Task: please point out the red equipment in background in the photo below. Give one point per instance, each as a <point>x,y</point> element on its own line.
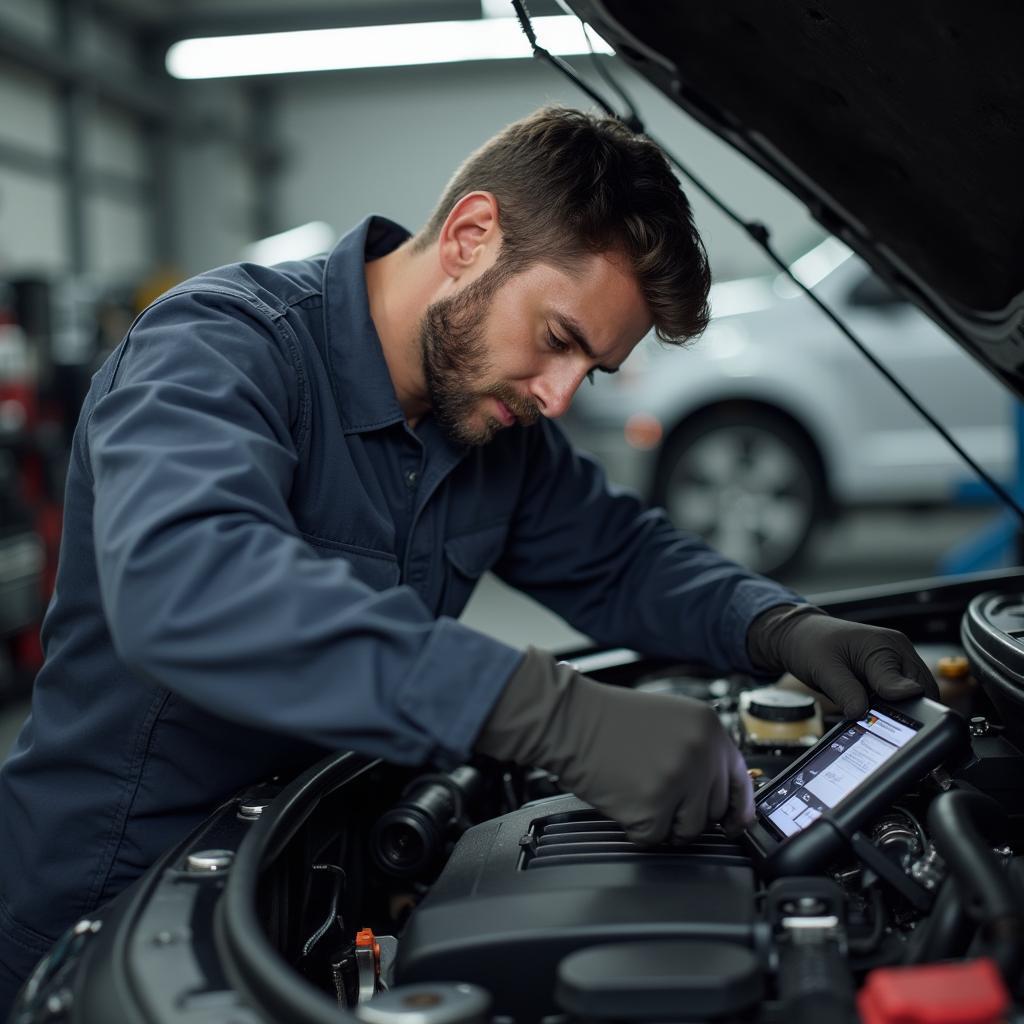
<point>47,341</point>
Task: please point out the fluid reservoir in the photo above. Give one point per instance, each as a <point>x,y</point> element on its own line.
<point>956,684</point>
<point>777,717</point>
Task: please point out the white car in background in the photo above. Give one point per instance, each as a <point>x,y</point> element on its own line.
<point>773,420</point>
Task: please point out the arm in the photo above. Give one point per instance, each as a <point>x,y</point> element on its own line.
<point>623,574</point>
<point>206,585</point>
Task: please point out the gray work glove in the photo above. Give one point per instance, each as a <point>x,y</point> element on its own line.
<point>660,765</point>
<point>843,660</point>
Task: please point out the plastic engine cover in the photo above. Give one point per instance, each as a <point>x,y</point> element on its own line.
<point>523,891</point>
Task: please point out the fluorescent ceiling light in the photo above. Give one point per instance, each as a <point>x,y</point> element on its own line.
<point>294,244</point>
<point>373,46</point>
<point>496,9</point>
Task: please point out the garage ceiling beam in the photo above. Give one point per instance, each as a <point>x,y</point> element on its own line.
<point>134,14</point>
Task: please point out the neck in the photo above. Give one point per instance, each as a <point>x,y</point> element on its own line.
<point>400,287</point>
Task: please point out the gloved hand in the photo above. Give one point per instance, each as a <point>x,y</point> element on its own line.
<point>660,765</point>
<point>843,660</point>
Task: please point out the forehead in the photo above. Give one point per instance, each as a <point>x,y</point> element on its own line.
<point>601,293</point>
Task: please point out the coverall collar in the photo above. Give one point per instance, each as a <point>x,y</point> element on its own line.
<point>359,370</point>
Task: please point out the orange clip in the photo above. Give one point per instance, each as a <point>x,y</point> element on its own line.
<point>365,939</point>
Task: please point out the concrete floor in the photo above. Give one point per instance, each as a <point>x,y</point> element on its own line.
<point>861,549</point>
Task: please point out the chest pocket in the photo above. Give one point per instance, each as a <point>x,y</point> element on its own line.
<point>377,569</point>
<point>467,558</point>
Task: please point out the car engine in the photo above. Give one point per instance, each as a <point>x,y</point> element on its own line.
<point>487,895</point>
<point>497,880</point>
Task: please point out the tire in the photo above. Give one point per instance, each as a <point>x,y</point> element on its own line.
<point>748,482</point>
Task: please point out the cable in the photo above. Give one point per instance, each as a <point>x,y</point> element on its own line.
<point>333,914</point>
<point>556,62</point>
<point>757,232</point>
<point>632,119</point>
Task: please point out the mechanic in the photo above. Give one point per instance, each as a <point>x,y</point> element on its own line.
<point>286,481</point>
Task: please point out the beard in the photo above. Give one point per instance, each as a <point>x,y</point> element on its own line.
<point>455,364</point>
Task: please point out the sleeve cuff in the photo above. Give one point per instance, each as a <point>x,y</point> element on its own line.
<point>468,670</point>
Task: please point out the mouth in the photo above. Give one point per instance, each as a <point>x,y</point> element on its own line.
<point>505,415</point>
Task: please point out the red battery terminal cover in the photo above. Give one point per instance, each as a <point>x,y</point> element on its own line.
<point>961,993</point>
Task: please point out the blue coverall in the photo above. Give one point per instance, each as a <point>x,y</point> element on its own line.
<point>263,562</point>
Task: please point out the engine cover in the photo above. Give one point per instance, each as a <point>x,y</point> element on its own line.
<point>523,891</point>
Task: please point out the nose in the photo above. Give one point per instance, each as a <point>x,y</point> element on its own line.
<point>554,389</point>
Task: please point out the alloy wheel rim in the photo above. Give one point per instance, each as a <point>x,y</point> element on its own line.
<point>746,492</point>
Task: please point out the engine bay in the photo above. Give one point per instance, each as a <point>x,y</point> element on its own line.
<point>490,877</point>
<point>485,894</point>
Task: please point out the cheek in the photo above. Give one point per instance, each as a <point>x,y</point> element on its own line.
<point>514,356</point>
<point>511,339</point>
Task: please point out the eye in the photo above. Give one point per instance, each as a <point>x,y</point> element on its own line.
<point>556,342</point>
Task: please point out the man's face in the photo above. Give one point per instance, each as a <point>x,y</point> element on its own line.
<point>508,350</point>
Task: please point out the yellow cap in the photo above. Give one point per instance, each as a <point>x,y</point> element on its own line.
<point>953,667</point>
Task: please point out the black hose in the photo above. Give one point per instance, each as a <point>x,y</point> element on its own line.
<point>879,917</point>
<point>945,933</point>
<point>409,839</point>
<point>815,984</point>
<point>963,825</point>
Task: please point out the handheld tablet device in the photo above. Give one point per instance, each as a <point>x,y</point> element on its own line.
<point>808,814</point>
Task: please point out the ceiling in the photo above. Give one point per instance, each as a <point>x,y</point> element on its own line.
<point>173,19</point>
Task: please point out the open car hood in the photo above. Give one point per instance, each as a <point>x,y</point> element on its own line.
<point>900,126</point>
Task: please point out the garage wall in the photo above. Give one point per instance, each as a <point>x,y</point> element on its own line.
<point>141,207</point>
<point>213,184</point>
<point>32,226</point>
<point>387,140</point>
<point>34,189</point>
<point>33,18</point>
<point>354,142</point>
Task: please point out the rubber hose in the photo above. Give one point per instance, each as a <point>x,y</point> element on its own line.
<point>963,825</point>
<point>879,915</point>
<point>946,932</point>
<point>815,985</point>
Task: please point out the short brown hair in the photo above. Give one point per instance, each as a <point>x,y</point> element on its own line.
<point>569,184</point>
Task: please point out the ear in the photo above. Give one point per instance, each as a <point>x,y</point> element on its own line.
<point>470,235</point>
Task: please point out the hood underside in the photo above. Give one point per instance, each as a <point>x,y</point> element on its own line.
<point>900,126</point>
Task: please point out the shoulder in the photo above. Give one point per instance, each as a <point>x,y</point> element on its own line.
<point>269,291</point>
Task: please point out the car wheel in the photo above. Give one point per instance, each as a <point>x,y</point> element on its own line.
<point>748,482</point>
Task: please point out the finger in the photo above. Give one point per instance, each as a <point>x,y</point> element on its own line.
<point>685,833</point>
<point>915,668</point>
<point>691,817</point>
<point>885,673</point>
<point>892,684</point>
<point>740,814</point>
<point>896,686</point>
<point>846,690</point>
<point>718,797</point>
<point>649,832</point>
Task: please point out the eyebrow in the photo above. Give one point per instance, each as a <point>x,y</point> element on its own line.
<point>573,329</point>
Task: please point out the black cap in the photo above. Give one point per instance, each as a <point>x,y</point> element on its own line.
<point>773,704</point>
<point>672,980</point>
